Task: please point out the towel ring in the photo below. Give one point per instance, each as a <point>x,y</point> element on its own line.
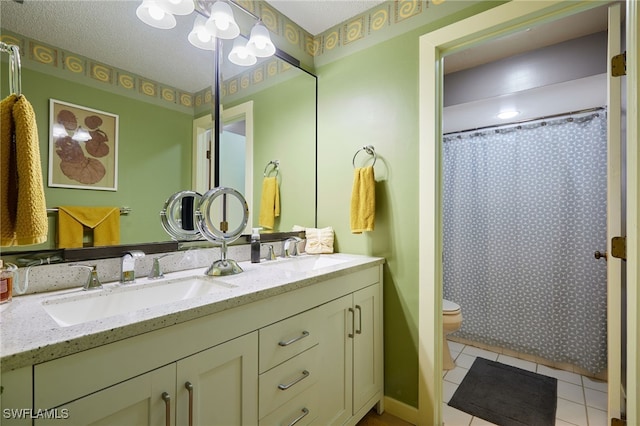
<point>369,149</point>
<point>275,164</point>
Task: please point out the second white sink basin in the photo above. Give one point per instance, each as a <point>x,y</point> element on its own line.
<point>309,262</point>
<point>98,304</point>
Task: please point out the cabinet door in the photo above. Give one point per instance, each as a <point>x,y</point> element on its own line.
<point>367,345</point>
<point>335,363</point>
<point>137,401</point>
<point>219,386</point>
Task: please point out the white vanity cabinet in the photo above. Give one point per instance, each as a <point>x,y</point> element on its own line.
<point>352,363</point>
<point>309,355</point>
<point>289,370</point>
<point>16,396</point>
<point>137,401</point>
<point>217,386</point>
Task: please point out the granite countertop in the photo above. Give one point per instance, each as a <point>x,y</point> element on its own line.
<point>29,335</point>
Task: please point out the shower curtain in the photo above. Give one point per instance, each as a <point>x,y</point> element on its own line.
<point>524,211</point>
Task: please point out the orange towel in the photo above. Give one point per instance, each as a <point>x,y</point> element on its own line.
<point>24,212</point>
<point>105,222</point>
<point>363,200</point>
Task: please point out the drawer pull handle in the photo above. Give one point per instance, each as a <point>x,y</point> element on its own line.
<point>353,322</point>
<point>167,405</point>
<point>305,374</point>
<point>295,339</point>
<point>300,417</point>
<point>189,388</point>
<point>359,329</point>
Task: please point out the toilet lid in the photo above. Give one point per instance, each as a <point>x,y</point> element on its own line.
<point>449,307</point>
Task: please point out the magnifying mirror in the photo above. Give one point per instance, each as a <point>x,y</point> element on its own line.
<point>178,216</point>
<point>221,217</point>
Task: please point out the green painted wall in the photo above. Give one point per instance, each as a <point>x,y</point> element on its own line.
<point>371,97</point>
<point>284,130</point>
<point>154,155</point>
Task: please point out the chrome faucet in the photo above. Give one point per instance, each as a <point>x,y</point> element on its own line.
<point>156,270</point>
<point>288,249</point>
<point>93,283</point>
<point>128,266</point>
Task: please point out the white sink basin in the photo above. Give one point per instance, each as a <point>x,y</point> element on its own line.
<point>309,262</point>
<point>99,304</point>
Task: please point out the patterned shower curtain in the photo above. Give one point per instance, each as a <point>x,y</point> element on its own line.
<point>524,211</point>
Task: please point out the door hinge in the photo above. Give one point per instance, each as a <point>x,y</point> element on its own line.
<point>208,155</point>
<point>619,247</point>
<point>619,65</point>
<point>618,422</point>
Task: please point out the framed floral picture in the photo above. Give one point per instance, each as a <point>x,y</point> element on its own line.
<point>83,147</point>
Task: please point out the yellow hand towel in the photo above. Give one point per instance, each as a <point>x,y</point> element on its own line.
<point>105,222</point>
<point>32,225</point>
<point>23,213</point>
<point>269,202</point>
<point>8,178</point>
<point>363,200</point>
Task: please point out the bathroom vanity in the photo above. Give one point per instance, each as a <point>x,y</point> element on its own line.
<point>292,341</point>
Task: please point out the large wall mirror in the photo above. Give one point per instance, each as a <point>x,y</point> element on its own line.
<point>99,55</point>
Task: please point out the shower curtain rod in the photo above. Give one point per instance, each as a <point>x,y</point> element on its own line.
<point>514,123</point>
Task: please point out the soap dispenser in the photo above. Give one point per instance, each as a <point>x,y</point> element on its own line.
<point>255,245</point>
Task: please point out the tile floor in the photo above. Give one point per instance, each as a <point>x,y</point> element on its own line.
<point>581,401</point>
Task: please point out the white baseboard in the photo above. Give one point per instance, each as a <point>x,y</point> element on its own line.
<point>401,410</point>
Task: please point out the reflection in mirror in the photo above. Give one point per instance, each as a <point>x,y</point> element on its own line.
<point>235,153</point>
<point>178,217</point>
<point>158,84</point>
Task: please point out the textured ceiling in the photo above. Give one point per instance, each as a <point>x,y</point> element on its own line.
<point>109,31</point>
<point>317,16</point>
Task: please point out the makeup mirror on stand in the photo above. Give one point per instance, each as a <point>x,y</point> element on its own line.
<point>221,217</point>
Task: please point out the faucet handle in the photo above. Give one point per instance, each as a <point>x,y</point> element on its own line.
<point>271,255</point>
<point>156,270</point>
<point>93,282</point>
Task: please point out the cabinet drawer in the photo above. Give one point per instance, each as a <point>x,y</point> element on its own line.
<point>282,383</point>
<point>287,338</point>
<point>299,411</point>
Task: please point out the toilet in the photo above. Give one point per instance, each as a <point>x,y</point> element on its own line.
<point>451,321</point>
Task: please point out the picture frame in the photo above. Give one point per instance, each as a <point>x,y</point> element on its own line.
<point>83,147</point>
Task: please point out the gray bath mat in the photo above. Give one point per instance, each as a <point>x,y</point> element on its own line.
<point>506,395</point>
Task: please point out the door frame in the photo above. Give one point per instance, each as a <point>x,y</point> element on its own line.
<point>203,124</point>
<point>497,22</point>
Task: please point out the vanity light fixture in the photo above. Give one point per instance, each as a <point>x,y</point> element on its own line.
<point>260,43</point>
<point>210,25</point>
<point>177,7</point>
<point>240,54</point>
<point>221,22</point>
<point>151,13</point>
<point>200,36</point>
<point>507,114</point>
